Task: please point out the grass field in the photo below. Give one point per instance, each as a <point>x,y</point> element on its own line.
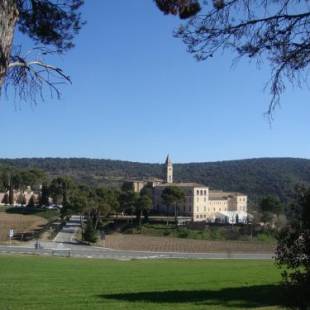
<point>58,283</point>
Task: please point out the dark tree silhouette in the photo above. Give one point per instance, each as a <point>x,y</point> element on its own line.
<point>52,25</point>
<point>276,31</point>
<point>183,8</point>
<point>293,250</point>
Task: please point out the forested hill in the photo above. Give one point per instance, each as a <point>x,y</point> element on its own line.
<point>255,177</point>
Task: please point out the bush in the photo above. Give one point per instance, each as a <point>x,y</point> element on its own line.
<point>166,232</point>
<point>265,237</point>
<point>182,233</point>
<point>90,233</point>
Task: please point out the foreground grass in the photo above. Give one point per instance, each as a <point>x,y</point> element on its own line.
<point>58,283</point>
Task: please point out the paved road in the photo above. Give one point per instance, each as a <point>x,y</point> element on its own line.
<point>68,232</point>
<point>65,244</point>
<point>75,250</point>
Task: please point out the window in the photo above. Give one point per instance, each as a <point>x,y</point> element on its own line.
<point>201,192</point>
<point>197,192</point>
<point>205,192</point>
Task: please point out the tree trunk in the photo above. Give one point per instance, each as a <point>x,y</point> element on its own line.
<point>175,214</point>
<point>8,19</point>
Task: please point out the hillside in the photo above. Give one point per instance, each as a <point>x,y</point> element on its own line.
<point>255,177</point>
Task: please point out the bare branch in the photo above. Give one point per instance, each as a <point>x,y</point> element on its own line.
<point>274,31</point>
<point>31,78</point>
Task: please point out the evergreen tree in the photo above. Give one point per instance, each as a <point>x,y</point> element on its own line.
<point>44,196</point>
<point>6,199</point>
<point>293,251</point>
<point>172,196</point>
<point>11,196</point>
<point>32,201</point>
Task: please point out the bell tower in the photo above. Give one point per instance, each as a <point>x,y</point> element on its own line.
<point>169,170</point>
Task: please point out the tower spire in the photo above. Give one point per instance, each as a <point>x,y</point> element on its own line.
<point>169,170</point>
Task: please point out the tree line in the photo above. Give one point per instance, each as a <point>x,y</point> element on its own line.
<point>254,177</point>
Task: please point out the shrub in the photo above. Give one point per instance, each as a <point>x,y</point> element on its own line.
<point>182,233</point>
<point>166,232</point>
<point>265,237</point>
<point>90,233</point>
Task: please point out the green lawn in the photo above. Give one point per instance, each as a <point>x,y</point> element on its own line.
<point>29,282</point>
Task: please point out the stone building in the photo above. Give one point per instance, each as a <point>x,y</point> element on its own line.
<point>17,195</point>
<point>201,203</point>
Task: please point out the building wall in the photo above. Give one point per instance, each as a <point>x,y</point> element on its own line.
<point>138,185</point>
<point>219,205</point>
<point>242,203</point>
<point>169,173</point>
<point>27,195</point>
<point>198,204</point>
<point>1,197</point>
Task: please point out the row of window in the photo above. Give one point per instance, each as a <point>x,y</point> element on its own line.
<point>205,209</point>
<point>201,192</point>
<point>202,216</point>
<point>220,202</point>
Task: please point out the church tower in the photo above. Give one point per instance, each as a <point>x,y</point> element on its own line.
<point>169,170</point>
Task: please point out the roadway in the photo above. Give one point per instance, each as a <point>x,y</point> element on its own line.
<point>65,244</point>
<point>68,232</point>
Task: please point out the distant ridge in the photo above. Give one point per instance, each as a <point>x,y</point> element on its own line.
<point>256,177</point>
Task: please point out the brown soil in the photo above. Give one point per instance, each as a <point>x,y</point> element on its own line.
<point>20,224</point>
<point>166,244</point>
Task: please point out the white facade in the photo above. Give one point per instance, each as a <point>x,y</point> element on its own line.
<point>202,204</point>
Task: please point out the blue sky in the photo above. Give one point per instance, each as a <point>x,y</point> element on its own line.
<point>137,95</point>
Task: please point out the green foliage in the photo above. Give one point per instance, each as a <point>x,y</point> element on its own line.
<point>293,250</point>
<point>172,195</point>
<point>44,195</point>
<point>32,201</point>
<point>60,189</point>
<point>143,205</point>
<point>49,215</point>
<point>6,199</point>
<point>11,196</point>
<point>19,178</point>
<point>272,205</point>
<point>254,177</point>
<point>128,201</point>
<point>212,233</point>
<point>90,234</point>
<point>182,233</point>
<point>265,237</point>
